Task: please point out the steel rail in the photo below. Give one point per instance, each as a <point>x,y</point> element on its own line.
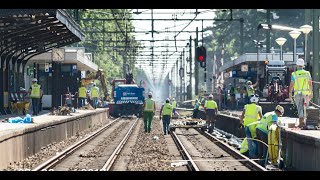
<point>237,155</point>
<point>110,162</point>
<point>184,153</point>
<point>67,152</point>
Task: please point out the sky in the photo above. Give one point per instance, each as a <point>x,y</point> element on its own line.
<point>163,26</point>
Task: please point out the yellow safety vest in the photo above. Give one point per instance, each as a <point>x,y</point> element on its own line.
<point>167,109</point>
<point>250,90</point>
<point>244,146</point>
<point>266,121</point>
<point>82,92</point>
<point>251,115</point>
<point>301,82</point>
<point>94,92</point>
<point>210,104</point>
<point>174,104</point>
<point>35,90</point>
<point>149,105</point>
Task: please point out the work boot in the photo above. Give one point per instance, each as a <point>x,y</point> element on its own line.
<point>301,123</point>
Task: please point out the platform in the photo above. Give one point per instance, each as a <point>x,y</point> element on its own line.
<point>20,140</point>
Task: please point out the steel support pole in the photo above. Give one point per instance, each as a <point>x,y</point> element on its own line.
<point>308,18</point>
<point>196,66</point>
<point>190,59</point>
<point>268,32</point>
<point>294,50</point>
<point>315,66</point>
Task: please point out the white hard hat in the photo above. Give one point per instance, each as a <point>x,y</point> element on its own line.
<point>300,62</point>
<point>280,109</point>
<point>254,99</point>
<point>34,80</point>
<point>173,99</point>
<point>150,93</point>
<point>210,96</point>
<point>249,82</point>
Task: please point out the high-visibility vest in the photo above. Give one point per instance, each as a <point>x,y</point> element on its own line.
<point>301,81</point>
<point>82,92</point>
<point>244,146</point>
<point>94,92</point>
<point>35,90</point>
<point>149,105</point>
<point>210,104</point>
<point>167,109</point>
<point>250,117</point>
<point>266,121</point>
<point>250,90</point>
<point>174,104</point>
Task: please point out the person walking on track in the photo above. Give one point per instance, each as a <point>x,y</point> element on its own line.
<point>250,115</point>
<point>211,110</point>
<point>301,83</point>
<point>149,107</point>
<point>166,114</point>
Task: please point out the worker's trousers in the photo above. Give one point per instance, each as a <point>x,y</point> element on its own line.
<point>252,144</point>
<point>35,106</point>
<point>95,102</point>
<point>166,123</point>
<point>262,148</point>
<point>81,102</point>
<point>210,119</point>
<point>147,117</point>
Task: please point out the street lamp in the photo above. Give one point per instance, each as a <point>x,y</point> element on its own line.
<point>280,42</point>
<point>294,35</point>
<point>305,29</point>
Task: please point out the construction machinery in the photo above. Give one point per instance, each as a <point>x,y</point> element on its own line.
<point>275,88</point>
<point>127,96</point>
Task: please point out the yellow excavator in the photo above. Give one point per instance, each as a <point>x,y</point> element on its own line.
<point>99,75</point>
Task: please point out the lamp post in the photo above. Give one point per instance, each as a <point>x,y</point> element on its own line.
<point>280,42</point>
<point>294,35</point>
<point>305,29</point>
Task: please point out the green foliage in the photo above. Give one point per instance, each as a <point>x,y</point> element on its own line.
<point>107,55</point>
<point>229,31</point>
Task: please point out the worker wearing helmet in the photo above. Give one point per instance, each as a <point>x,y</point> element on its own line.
<point>250,90</point>
<point>149,108</point>
<point>250,115</point>
<point>166,114</point>
<point>301,83</point>
<point>262,130</point>
<point>174,106</point>
<point>95,95</point>
<point>211,110</point>
<point>35,95</point>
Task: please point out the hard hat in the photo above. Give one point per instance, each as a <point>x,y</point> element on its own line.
<point>210,96</point>
<point>150,94</point>
<point>173,99</point>
<point>280,109</point>
<point>249,82</point>
<point>230,84</point>
<point>34,80</point>
<point>167,100</point>
<point>300,62</point>
<point>254,99</point>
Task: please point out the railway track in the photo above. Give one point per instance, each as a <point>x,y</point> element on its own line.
<point>53,162</point>
<point>203,152</point>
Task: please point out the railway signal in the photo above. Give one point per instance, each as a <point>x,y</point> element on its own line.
<point>201,54</point>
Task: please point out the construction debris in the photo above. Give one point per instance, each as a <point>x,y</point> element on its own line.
<point>87,107</point>
<point>61,111</point>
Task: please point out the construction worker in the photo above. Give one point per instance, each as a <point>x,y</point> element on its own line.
<point>149,108</point>
<point>250,115</point>
<point>166,114</point>
<point>196,109</point>
<point>301,82</point>
<point>82,95</point>
<point>211,110</point>
<point>95,95</point>
<point>262,130</point>
<point>232,97</point>
<point>174,106</point>
<point>35,95</point>
<point>250,90</point>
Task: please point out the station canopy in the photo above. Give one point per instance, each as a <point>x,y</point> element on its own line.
<point>27,32</point>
